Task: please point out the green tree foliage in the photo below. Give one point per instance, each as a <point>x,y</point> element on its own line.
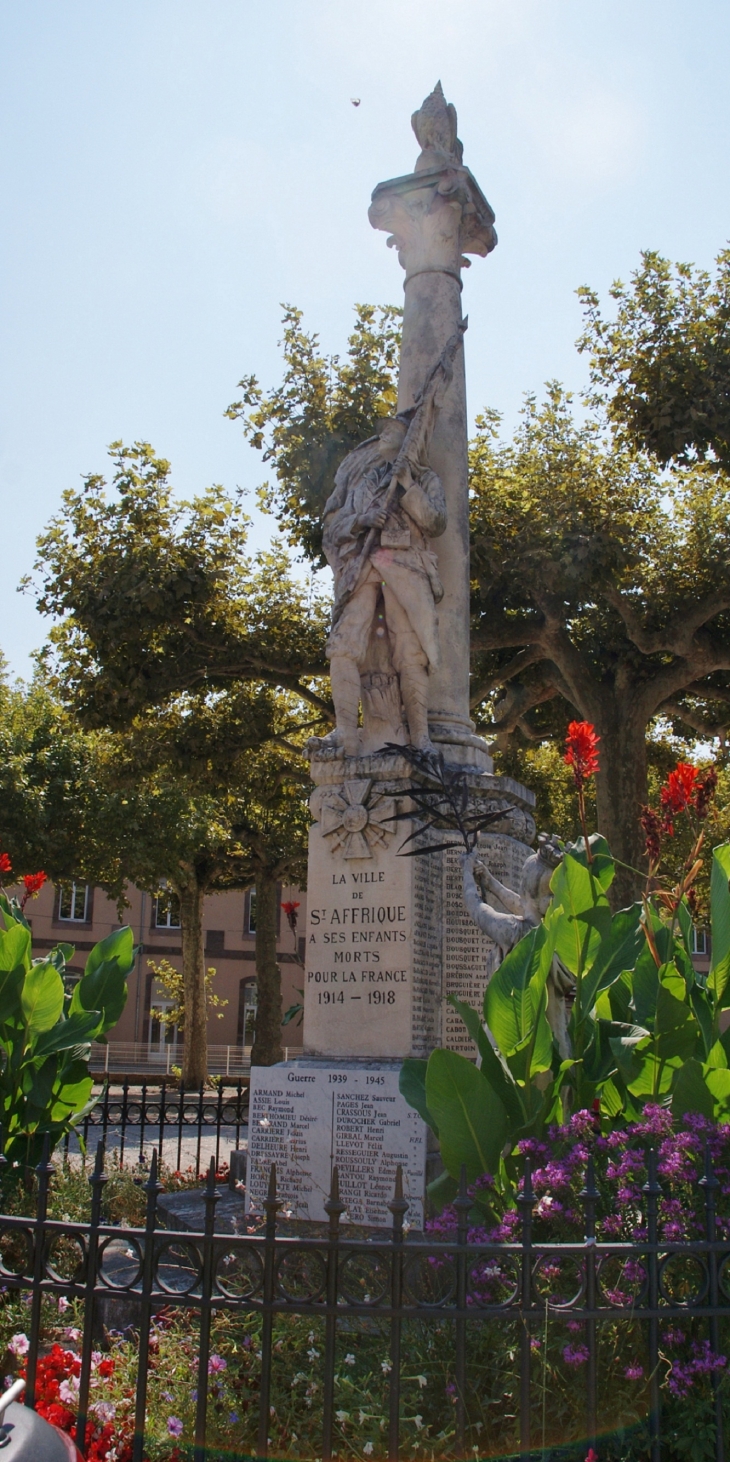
<point>209,806</point>
<point>155,596</point>
<point>55,808</point>
<point>599,586</point>
<point>323,408</point>
<point>662,365</point>
<point>204,661</point>
<point>172,982</point>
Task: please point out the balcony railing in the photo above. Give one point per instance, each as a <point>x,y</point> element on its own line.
<point>137,1057</point>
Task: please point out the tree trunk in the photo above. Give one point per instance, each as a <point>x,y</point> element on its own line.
<point>195,1057</point>
<point>267,1038</point>
<point>621,789</point>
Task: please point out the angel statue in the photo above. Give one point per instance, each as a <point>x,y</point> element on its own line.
<point>386,507</point>
<point>525,911</point>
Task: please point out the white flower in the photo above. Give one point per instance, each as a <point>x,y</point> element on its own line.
<point>342,1416</point>
<point>349,1359</point>
<point>63,1303</point>
<point>368,1449</point>
<point>419,1423</point>
<point>68,1390</point>
<point>362,1416</point>
<point>105,1411</point>
<point>422,1381</point>
<point>544,1206</point>
<point>264,1122</point>
<point>385,1366</point>
<point>19,1345</point>
<point>313,1354</point>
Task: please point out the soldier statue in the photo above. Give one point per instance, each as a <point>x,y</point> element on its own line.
<point>386,507</point>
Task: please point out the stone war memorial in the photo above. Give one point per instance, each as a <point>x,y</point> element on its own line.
<point>390,937</point>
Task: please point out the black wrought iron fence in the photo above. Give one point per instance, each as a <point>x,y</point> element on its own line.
<point>132,1118</point>
<point>352,1286</point>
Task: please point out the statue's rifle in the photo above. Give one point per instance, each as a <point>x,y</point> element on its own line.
<point>413,450</point>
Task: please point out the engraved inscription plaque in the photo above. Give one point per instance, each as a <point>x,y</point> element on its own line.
<point>308,1117</point>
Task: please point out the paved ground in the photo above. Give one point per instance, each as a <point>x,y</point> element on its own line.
<point>139,1142</point>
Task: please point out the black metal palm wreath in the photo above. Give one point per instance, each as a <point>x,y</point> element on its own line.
<point>446,804</point>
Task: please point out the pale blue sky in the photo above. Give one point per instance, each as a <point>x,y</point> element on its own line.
<point>172,169</point>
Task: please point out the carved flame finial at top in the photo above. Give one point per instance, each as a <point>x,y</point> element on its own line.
<point>435,127</point>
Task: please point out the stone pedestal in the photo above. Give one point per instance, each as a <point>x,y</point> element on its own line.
<point>388,938</point>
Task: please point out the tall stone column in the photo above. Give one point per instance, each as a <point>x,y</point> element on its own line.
<point>435,215</point>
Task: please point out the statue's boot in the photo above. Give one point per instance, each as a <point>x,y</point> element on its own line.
<point>345,681</point>
<point>414,691</point>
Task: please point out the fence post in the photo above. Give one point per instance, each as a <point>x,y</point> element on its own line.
<point>653,1192</point>
<point>398,1207</point>
<point>200,1131</point>
<point>96,1181</point>
<point>526,1201</point>
<point>125,1102</point>
<point>163,1115</point>
<point>272,1206</point>
<point>44,1171</point>
<point>589,1196</point>
<point>462,1205</point>
<point>201,1406</point>
<point>152,1188</point>
<point>710,1184</point>
<point>334,1209</point>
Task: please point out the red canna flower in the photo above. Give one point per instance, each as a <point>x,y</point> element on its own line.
<point>653,829</point>
<point>34,883</point>
<point>290,909</point>
<point>705,788</point>
<point>581,752</point>
<point>677,795</point>
<point>5,864</point>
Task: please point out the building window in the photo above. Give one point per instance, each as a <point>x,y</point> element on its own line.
<point>700,942</point>
<point>251,912</point>
<point>247,1012</point>
<point>73,902</point>
<point>167,910</point>
<point>161,1034</point>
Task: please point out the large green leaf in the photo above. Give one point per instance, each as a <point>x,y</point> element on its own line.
<point>586,916</point>
<point>513,996</point>
<point>720,903</point>
<point>718,982</point>
<point>42,997</point>
<point>11,984</point>
<point>618,951</point>
<point>691,1092</point>
<point>412,1086</point>
<point>472,1121</point>
<point>78,1030</point>
<point>603,868</point>
<point>14,948</point>
<point>442,1190</point>
<point>645,988</point>
<point>119,945</point>
<point>493,1065</point>
<point>702,1009</point>
<point>104,990</point>
<point>675,1025</point>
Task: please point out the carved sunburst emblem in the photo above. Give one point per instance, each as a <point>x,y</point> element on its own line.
<point>352,821</point>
